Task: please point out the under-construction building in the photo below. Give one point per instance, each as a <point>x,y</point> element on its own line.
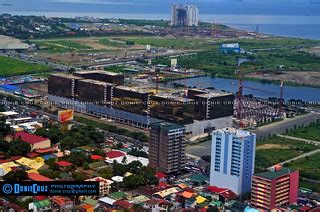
<point>184,15</point>
<point>62,85</point>
<point>104,76</point>
<point>94,91</point>
<point>201,111</point>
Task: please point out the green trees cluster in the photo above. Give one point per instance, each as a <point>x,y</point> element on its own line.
<point>15,176</point>
<point>138,153</point>
<point>80,136</point>
<point>113,129</point>
<point>142,175</point>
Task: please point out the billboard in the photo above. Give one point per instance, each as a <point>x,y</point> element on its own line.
<point>174,62</point>
<point>65,115</point>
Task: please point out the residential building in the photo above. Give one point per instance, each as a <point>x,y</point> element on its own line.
<point>184,15</point>
<point>104,184</point>
<point>275,188</point>
<point>167,147</point>
<point>232,159</point>
<point>35,141</point>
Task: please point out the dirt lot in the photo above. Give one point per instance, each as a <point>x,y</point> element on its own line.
<point>315,50</point>
<point>300,77</point>
<point>39,87</point>
<point>272,146</point>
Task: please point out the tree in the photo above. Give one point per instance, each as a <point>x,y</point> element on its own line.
<point>14,176</point>
<point>78,158</point>
<point>119,169</point>
<point>148,175</point>
<point>78,176</point>
<point>134,167</point>
<point>124,160</point>
<point>133,181</point>
<point>4,146</point>
<point>106,173</point>
<point>85,166</point>
<point>18,147</point>
<point>53,133</point>
<point>4,128</point>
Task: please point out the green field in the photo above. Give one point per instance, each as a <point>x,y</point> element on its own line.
<point>309,167</point>
<point>311,132</point>
<point>110,42</point>
<point>173,43</point>
<point>276,150</point>
<point>54,46</point>
<point>12,67</point>
<point>310,185</point>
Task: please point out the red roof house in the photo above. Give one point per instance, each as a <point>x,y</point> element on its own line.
<point>123,204</point>
<point>96,157</point>
<point>115,154</point>
<point>160,175</point>
<point>38,177</point>
<point>36,142</point>
<point>64,163</point>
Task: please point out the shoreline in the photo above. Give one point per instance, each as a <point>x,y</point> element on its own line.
<point>227,20</point>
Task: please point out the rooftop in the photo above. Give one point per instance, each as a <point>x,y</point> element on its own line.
<point>212,94</point>
<point>64,163</point>
<point>66,76</point>
<point>95,82</point>
<point>168,126</point>
<point>29,138</point>
<point>115,154</point>
<point>38,177</point>
<point>234,131</point>
<point>99,72</point>
<point>275,174</point>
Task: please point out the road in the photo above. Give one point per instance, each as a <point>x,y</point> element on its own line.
<point>280,127</point>
<point>121,138</point>
<point>317,143</point>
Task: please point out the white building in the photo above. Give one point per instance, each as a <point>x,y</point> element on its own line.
<point>232,159</point>
<point>184,15</point>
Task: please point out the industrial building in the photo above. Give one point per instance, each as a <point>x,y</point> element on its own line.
<point>167,147</point>
<point>278,187</point>
<point>184,15</point>
<point>232,159</point>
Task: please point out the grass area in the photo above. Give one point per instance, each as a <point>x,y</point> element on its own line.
<point>309,167</point>
<point>310,132</point>
<point>173,43</point>
<point>272,43</point>
<point>209,61</point>
<point>12,67</point>
<point>113,129</point>
<point>306,184</point>
<point>276,149</point>
<point>110,42</point>
<point>62,46</point>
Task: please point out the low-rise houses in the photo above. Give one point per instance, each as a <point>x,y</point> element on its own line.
<point>36,142</point>
<point>104,184</point>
